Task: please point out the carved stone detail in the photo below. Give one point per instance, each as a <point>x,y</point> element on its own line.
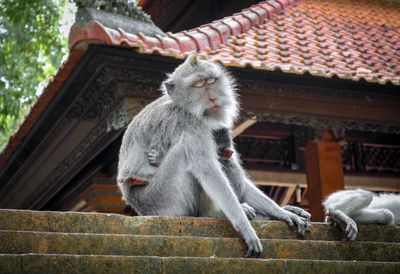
<point>117,119</point>
<point>86,105</point>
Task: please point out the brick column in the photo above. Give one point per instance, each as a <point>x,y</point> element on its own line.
<point>324,170</point>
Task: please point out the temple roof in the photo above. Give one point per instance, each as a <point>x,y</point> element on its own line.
<point>349,39</point>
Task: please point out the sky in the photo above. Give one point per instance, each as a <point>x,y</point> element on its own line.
<point>68,18</point>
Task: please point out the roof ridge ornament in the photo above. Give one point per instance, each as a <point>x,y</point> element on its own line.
<point>120,7</point>
<point>116,14</point>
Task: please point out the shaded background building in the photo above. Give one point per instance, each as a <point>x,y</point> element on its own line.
<point>306,69</point>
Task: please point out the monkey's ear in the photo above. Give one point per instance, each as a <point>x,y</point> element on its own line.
<point>169,87</point>
<point>193,60</point>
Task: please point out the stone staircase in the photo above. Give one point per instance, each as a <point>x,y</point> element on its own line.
<point>66,242</point>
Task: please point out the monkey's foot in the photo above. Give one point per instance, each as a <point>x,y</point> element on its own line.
<point>248,210</point>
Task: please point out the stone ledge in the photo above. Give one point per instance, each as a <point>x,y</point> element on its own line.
<point>19,242</point>
<point>76,222</point>
<point>39,263</point>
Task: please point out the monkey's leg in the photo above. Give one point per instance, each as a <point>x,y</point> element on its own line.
<point>374,216</point>
<point>170,192</point>
<point>350,202</point>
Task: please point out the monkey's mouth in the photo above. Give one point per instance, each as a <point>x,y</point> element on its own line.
<point>214,110</point>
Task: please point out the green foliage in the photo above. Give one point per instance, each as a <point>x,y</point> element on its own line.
<point>31,49</point>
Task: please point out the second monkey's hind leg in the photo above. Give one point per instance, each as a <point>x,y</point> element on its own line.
<point>345,204</point>
<point>381,216</point>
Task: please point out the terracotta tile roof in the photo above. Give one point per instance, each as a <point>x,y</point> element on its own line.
<point>352,39</point>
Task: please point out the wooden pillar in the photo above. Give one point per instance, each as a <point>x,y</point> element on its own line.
<point>324,170</point>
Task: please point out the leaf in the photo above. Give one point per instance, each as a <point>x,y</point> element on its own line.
<point>31,48</point>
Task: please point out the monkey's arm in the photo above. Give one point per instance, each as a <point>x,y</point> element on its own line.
<point>261,202</point>
<point>203,164</point>
<point>266,206</point>
<point>348,226</point>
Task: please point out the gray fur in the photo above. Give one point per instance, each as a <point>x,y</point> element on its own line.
<point>347,208</point>
<point>190,180</point>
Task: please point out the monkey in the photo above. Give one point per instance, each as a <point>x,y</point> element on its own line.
<point>347,208</point>
<point>199,97</point>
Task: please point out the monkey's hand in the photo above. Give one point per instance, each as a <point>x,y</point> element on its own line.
<point>153,158</point>
<point>292,219</point>
<point>298,211</point>
<point>253,242</point>
<point>248,210</point>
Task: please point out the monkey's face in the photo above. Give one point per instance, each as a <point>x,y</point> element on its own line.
<point>204,88</point>
<point>208,96</point>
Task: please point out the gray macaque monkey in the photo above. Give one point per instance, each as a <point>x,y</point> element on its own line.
<point>347,208</point>
<point>199,97</point>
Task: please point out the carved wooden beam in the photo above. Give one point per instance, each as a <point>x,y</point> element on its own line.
<point>290,179</point>
<point>242,127</point>
<point>287,195</point>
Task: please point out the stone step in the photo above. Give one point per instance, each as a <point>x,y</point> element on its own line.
<point>20,242</point>
<point>46,263</point>
<point>183,226</point>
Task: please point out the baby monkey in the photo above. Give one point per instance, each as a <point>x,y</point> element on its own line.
<point>347,208</point>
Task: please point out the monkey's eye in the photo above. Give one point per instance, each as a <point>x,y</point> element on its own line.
<point>211,80</point>
<point>199,84</point>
